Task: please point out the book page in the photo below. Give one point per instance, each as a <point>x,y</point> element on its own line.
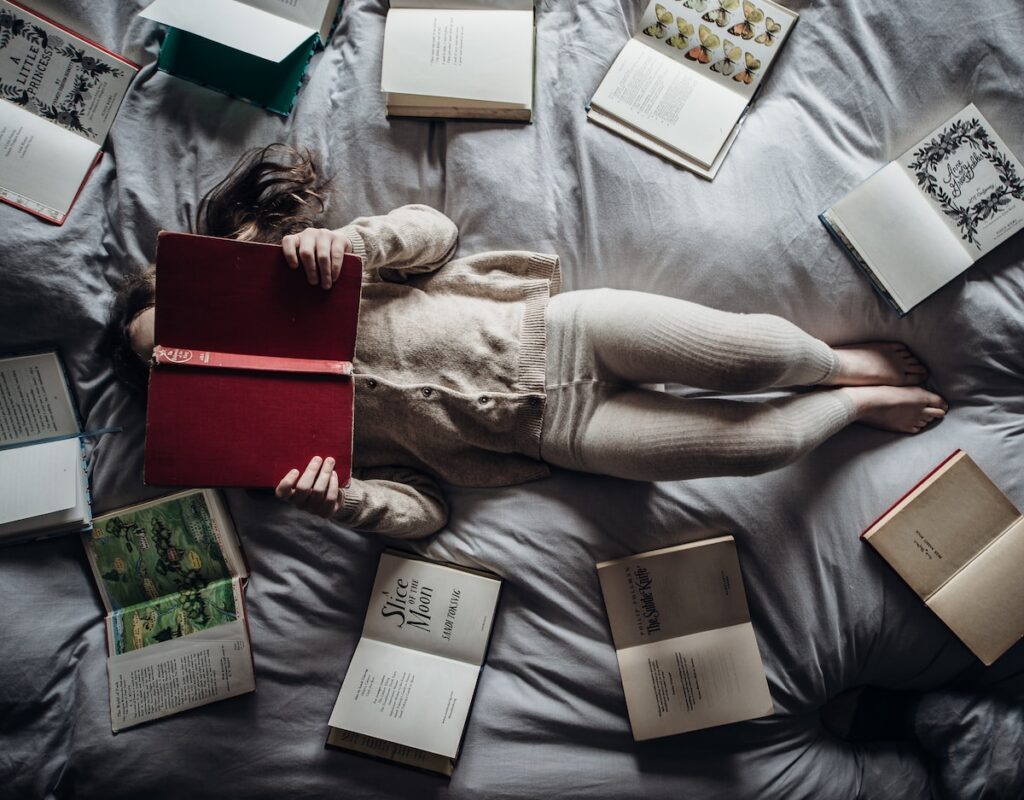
<point>970,177</point>
<point>477,55</point>
<point>35,402</point>
<point>179,674</point>
<point>406,696</point>
<point>984,603</point>
<point>174,615</point>
<point>160,548</point>
<point>39,479</point>
<point>895,230</point>
<point>66,520</point>
<point>233,24</point>
<point>732,44</point>
<point>431,607</point>
<point>673,592</point>
<point>690,682</point>
<point>942,525</point>
<point>42,166</point>
<point>59,77</point>
<point>317,15</point>
<point>480,5</point>
<point>652,92</point>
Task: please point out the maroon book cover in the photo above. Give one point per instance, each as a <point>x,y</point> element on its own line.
<point>225,408</point>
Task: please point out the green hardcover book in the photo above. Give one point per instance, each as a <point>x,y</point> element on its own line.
<point>256,50</point>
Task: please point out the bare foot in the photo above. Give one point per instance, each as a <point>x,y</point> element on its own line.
<point>878,364</point>
<point>902,409</point>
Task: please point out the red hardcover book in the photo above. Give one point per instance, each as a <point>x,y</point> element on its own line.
<point>252,371</point>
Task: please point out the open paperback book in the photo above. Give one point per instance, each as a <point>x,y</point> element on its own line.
<point>681,85</point>
<point>245,347</point>
<point>686,648</point>
<point>926,217</point>
<point>170,573</point>
<point>459,58</point>
<point>958,541</point>
<point>59,94</point>
<point>409,687</point>
<point>257,50</point>
<point>44,488</point>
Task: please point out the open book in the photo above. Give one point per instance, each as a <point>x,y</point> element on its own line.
<point>58,97</point>
<point>252,373</point>
<point>44,489</point>
<point>681,85</point>
<point>958,541</point>
<point>683,637</point>
<point>170,574</point>
<point>459,58</point>
<point>256,50</point>
<point>408,689</point>
<point>924,218</point>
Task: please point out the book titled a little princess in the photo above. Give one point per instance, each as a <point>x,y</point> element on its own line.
<point>923,219</point>
<point>681,85</point>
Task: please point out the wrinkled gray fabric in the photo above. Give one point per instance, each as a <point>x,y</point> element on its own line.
<point>857,83</point>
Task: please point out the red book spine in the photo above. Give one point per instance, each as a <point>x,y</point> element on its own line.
<point>910,491</point>
<point>252,363</point>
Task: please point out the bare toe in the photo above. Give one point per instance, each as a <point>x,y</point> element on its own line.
<point>878,364</point>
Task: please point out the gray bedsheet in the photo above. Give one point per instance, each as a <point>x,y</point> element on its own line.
<point>858,82</point>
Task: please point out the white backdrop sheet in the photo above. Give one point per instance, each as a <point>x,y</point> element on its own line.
<point>857,83</point>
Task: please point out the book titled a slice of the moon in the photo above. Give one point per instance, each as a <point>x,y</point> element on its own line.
<point>252,371</point>
<point>685,644</point>
<point>408,690</point>
<point>958,541</point>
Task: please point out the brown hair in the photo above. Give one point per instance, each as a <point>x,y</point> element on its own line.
<point>271,192</point>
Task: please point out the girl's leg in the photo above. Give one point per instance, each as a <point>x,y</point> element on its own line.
<point>646,338</point>
<point>653,436</point>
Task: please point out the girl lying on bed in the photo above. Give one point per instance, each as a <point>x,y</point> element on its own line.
<point>477,372</point>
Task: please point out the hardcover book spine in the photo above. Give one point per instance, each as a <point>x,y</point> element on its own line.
<point>176,356</point>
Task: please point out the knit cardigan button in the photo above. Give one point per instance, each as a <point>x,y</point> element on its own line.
<point>484,399</point>
<point>372,383</point>
<point>427,391</point>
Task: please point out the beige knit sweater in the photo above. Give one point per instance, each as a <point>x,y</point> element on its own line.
<point>449,370</point>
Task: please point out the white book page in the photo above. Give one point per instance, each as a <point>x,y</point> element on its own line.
<point>431,607</point>
<point>180,674</point>
<point>480,5</point>
<point>41,162</point>
<point>968,175</point>
<point>652,92</point>
<point>234,24</point>
<point>733,47</point>
<point>34,400</point>
<point>316,15</point>
<point>66,520</point>
<point>476,55</point>
<point>39,479</point>
<point>406,696</point>
<point>708,678</point>
<point>897,232</point>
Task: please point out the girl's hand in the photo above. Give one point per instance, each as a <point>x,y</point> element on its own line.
<point>315,491</point>
<point>320,252</point>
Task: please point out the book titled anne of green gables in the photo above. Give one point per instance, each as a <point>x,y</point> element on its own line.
<point>166,570</point>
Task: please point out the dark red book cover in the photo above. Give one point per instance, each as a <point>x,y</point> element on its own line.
<point>249,423</point>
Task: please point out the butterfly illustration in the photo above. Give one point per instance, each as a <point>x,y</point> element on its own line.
<point>771,30</point>
<point>752,16</point>
<point>681,39</point>
<point>696,5</point>
<point>721,15</point>
<point>729,60</point>
<point>708,42</point>
<point>664,17</point>
<point>747,75</point>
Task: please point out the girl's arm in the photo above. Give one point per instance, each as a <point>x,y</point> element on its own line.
<point>409,240</point>
<point>395,501</point>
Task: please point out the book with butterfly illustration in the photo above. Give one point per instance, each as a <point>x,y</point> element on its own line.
<point>681,85</point>
<point>59,94</point>
<point>255,50</point>
<point>923,219</point>
<point>459,59</point>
